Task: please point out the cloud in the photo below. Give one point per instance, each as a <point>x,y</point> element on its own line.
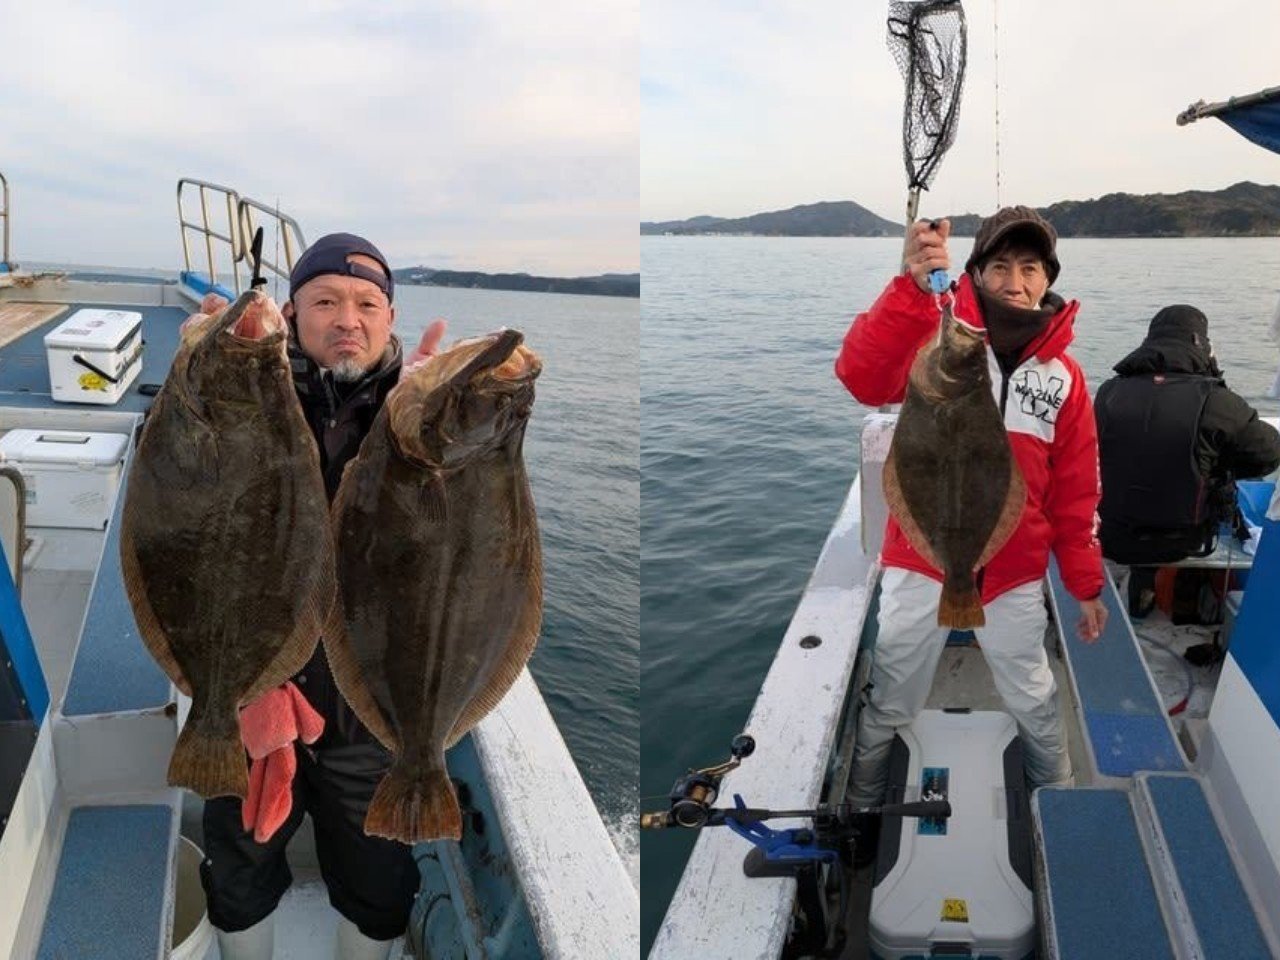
<point>745,110</point>
<point>499,132</point>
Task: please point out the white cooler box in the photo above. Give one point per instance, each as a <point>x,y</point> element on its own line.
<point>70,477</point>
<point>952,889</point>
<point>94,355</point>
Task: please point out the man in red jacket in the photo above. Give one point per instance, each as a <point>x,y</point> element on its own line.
<point>1040,391</point>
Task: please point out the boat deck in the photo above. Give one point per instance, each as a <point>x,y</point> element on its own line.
<point>24,369</point>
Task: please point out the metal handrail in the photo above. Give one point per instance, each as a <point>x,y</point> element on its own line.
<point>287,232</point>
<point>231,237</point>
<point>4,215</point>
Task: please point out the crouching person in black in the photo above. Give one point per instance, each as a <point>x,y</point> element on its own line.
<point>1172,441</point>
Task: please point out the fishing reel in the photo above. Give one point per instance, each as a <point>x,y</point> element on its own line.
<point>693,794</point>
<point>817,857</point>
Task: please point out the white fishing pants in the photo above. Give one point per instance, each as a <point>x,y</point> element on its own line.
<point>908,647</point>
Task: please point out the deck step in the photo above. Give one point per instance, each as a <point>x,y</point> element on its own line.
<point>1126,728</point>
<point>113,672</point>
<point>111,888</point>
<point>1097,898</point>
<point>1207,899</point>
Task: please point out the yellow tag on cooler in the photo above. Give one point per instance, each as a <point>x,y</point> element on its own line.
<point>955,910</point>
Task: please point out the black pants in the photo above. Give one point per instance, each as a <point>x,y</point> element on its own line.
<point>372,881</point>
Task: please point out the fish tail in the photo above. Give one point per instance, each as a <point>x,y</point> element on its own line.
<point>961,606</point>
<point>411,806</point>
<point>212,766</point>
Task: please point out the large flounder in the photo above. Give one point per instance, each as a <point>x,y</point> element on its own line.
<point>950,479</point>
<point>440,571</point>
<point>225,543</point>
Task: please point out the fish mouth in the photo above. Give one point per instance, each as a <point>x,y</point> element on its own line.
<point>972,333</point>
<point>498,358</point>
<point>251,319</point>
<point>522,364</point>
<point>495,356</point>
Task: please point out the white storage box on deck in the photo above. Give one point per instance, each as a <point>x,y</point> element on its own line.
<point>94,355</point>
<point>956,886</point>
<point>71,477</point>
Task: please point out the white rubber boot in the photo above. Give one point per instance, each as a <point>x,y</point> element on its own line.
<point>255,943</point>
<point>351,944</point>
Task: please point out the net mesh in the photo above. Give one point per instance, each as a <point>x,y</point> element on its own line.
<point>927,40</point>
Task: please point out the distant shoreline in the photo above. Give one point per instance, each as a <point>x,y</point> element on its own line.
<point>954,235</point>
<point>605,285</point>
<point>1242,210</point>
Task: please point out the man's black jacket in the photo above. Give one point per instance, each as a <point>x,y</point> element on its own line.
<point>1226,439</point>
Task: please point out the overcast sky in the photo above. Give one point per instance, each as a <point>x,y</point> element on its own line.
<point>747,108</point>
<point>471,134</point>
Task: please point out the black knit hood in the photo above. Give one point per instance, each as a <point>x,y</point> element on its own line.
<point>1177,342</point>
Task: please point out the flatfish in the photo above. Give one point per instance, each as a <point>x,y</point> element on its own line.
<point>225,544</point>
<point>439,571</point>
<point>950,479</point>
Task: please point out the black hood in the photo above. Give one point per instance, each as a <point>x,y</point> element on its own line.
<point>1177,342</point>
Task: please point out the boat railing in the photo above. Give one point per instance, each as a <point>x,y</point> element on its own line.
<point>4,215</point>
<point>284,243</point>
<point>288,237</point>
<point>211,232</point>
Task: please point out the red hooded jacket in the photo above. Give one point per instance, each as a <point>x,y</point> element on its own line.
<point>1047,414</point>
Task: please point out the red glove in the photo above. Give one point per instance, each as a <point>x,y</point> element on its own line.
<point>268,727</point>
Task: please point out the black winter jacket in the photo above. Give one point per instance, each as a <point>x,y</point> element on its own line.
<point>340,417</point>
<point>1230,442</point>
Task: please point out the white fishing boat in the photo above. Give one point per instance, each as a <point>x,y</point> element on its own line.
<point>1167,845</point>
<point>92,856</point>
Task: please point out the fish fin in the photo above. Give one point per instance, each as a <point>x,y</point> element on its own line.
<point>434,498</point>
<point>350,681</point>
<point>507,670</point>
<point>153,635</point>
<point>960,607</point>
<point>1014,502</point>
<point>412,808</point>
<point>211,766</point>
<point>900,512</point>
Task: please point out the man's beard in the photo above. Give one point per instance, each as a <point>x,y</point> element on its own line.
<point>347,371</point>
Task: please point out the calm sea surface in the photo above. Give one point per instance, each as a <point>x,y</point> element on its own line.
<point>749,443</point>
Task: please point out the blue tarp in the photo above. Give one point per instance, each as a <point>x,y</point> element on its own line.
<point>1259,123</point>
<point>1254,496</point>
<point>1253,639</point>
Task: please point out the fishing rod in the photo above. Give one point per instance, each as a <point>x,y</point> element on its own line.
<point>802,853</point>
<point>693,794</point>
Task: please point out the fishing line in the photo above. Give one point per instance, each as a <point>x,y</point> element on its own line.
<point>996,27</point>
<point>276,288</point>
